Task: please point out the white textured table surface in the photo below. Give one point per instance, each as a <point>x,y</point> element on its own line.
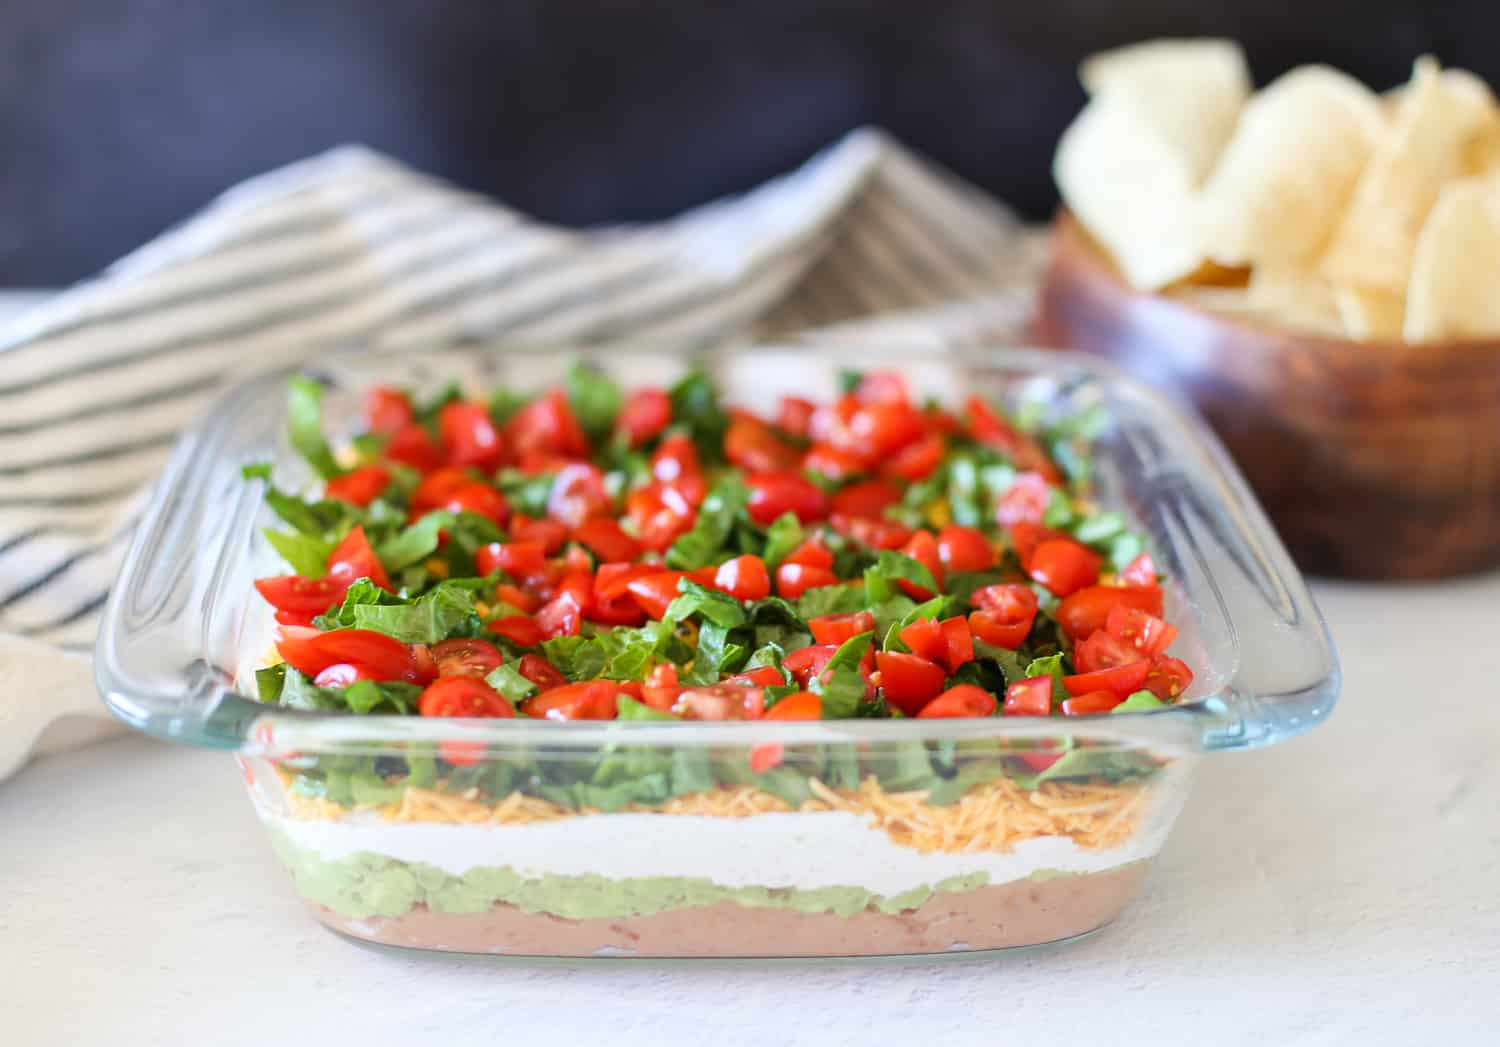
<point>1341,889</point>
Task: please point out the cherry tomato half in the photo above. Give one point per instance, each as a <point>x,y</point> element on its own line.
<point>1029,697</point>
<point>463,696</point>
<point>961,701</point>
<point>1090,703</point>
<point>1086,611</point>
<point>744,578</point>
<point>836,628</point>
<point>387,410</point>
<point>591,700</point>
<point>774,493</point>
<point>1121,680</point>
<point>466,657</point>
<point>469,436</point>
<point>646,413</point>
<point>1141,630</point>
<point>354,557</point>
<point>359,486</point>
<point>1064,566</point>
<point>304,596</point>
<point>800,705</point>
<point>908,681</point>
<point>965,549</point>
<point>794,579</point>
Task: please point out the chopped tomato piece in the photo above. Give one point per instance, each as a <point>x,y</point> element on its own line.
<point>480,499</point>
<point>958,643</point>
<point>961,701</point>
<point>520,599</point>
<point>794,579</point>
<point>925,638</point>
<point>466,657</point>
<point>1064,566</point>
<point>811,553</point>
<point>1025,501</point>
<point>646,413</point>
<point>922,547</point>
<point>1141,630</point>
<point>521,560</point>
<point>661,687</point>
<point>660,514</point>
<point>551,533</point>
<point>294,617</point>
<point>1102,651</point>
<point>877,534</point>
<point>354,557</point>
<point>577,494</point>
<point>674,458</point>
<point>304,596</point>
<point>414,447</point>
<point>876,431</point>
<point>795,416</point>
<point>868,499</point>
<point>1121,680</point>
<point>800,705</point>
<point>883,387</point>
<point>606,540</point>
<point>916,461</point>
<point>836,628</point>
<point>519,629</point>
<point>1086,611</point>
<point>546,426</point>
<point>908,681</point>
<point>754,446</point>
<point>964,549</point>
<point>541,672</point>
<point>387,410</point>
<point>1168,678</point>
<point>437,487</point>
<point>720,702</point>
<point>463,696</point>
<point>765,756</point>
<point>561,616</point>
<point>744,578</point>
<point>1005,616</point>
<point>469,435</point>
<point>1090,703</point>
<point>988,428</point>
<point>310,652</point>
<point>1029,697</point>
<point>807,662</point>
<point>832,462</point>
<point>592,700</point>
<point>655,592</point>
<point>1141,572</point>
<point>765,676</point>
<point>341,675</point>
<point>359,486</point>
<point>774,493</point>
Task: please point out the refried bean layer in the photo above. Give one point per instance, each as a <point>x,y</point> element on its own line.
<point>1024,912</point>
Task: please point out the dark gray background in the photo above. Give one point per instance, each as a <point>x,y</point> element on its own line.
<point>118,119</point>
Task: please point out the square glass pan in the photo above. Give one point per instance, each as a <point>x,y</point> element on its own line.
<point>182,625</point>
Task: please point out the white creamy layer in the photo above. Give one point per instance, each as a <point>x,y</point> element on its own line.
<point>801,850</point>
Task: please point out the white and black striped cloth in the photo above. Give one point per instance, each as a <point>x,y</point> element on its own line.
<point>352,247</point>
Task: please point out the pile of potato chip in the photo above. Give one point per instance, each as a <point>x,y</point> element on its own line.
<point>1313,203</point>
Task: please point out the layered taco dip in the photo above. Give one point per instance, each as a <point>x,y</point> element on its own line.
<point>657,556</point>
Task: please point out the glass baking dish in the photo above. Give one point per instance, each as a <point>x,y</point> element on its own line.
<point>869,837</point>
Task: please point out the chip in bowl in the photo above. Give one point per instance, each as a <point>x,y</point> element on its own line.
<point>1455,272</point>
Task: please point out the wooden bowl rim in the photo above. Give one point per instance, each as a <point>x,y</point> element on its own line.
<point>1073,245</point>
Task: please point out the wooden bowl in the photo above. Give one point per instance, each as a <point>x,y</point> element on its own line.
<point>1374,460</point>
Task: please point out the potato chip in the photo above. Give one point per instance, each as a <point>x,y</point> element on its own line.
<point>1283,180</point>
<point>1295,298</point>
<point>1190,91</point>
<point>1482,155</point>
<point>1455,273</point>
<point>1438,116</point>
<point>1370,315</point>
<point>1129,165</point>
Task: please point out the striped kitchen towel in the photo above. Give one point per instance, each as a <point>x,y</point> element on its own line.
<point>350,247</point>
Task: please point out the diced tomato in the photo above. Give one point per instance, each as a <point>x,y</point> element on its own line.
<point>744,578</point>
<point>795,416</point>
<point>917,460</point>
<point>807,662</point>
<point>763,757</point>
<point>469,435</point>
<point>520,599</point>
<point>908,681</point>
<point>519,629</point>
<point>463,696</point>
<point>1121,680</point>
<point>868,499</point>
<point>304,596</point>
<point>561,616</point>
<point>592,700</point>
<point>1039,762</point>
<point>964,549</point>
<point>1090,703</point>
<point>925,638</point>
<point>765,676</point>
<point>657,523</point>
<point>661,687</point>
<point>480,499</point>
<point>541,672</point>
<point>520,560</point>
<point>1005,615</point>
<point>354,557</point>
<point>962,701</point>
<point>546,426</point>
<point>466,657</point>
<point>800,705</point>
<point>577,494</point>
<point>831,462</point>
<point>1100,651</point>
<point>883,387</point>
<point>922,547</point>
<point>438,486</point>
<point>794,579</point>
<point>958,643</point>
<point>674,458</point>
<point>655,592</point>
<point>811,553</point>
<point>310,652</point>
<point>341,675</point>
<point>1141,630</point>
<point>876,431</point>
<point>294,617</point>
<point>1025,501</point>
<point>1025,537</point>
<point>606,540</point>
<point>646,413</point>
<point>1168,678</point>
<point>1086,611</point>
<point>414,447</point>
<point>359,486</point>
<point>720,702</point>
<point>426,664</point>
<point>1140,572</point>
<point>772,494</point>
<point>988,428</point>
<point>551,533</point>
<point>612,580</point>
<point>877,534</point>
<point>621,608</point>
<point>836,628</point>
<point>387,410</point>
<point>754,446</point>
<point>1064,566</point>
<point>1029,697</point>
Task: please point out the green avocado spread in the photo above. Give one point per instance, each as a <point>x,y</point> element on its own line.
<point>366,884</point>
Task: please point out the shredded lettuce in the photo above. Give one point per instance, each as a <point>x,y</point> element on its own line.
<point>507,680</point>
<point>594,398</point>
<point>716,518</point>
<point>709,604</point>
<point>782,539</point>
<point>304,412</point>
<point>890,567</point>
